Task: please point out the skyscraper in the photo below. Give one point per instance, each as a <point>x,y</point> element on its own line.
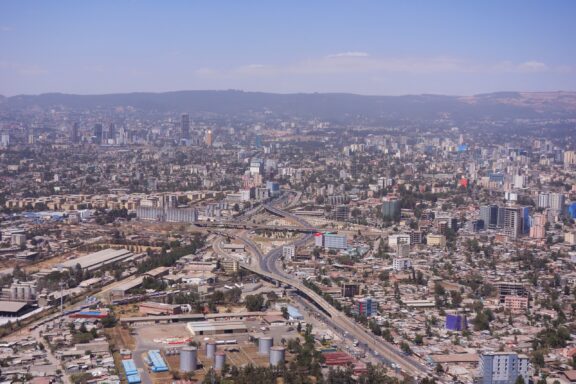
<point>512,222</point>
<point>185,126</point>
<point>489,215</point>
<point>112,131</point>
<point>557,203</point>
<point>74,138</point>
<point>391,207</point>
<point>98,134</point>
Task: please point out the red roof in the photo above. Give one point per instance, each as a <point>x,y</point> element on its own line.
<point>337,358</point>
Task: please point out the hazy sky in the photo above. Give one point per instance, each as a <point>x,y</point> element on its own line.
<point>367,47</point>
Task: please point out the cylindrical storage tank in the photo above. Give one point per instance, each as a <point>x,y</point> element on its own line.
<point>27,292</point>
<point>264,345</point>
<point>210,350</point>
<point>188,359</point>
<point>219,361</point>
<point>277,356</point>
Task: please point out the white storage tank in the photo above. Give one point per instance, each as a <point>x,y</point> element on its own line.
<point>264,345</point>
<point>188,359</point>
<point>277,356</point>
<point>219,361</point>
<point>210,350</point>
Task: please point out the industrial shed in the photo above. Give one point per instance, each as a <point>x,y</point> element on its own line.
<point>198,328</point>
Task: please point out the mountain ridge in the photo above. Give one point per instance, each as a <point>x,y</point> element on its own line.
<point>508,104</point>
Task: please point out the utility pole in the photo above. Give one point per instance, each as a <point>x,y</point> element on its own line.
<point>61,297</point>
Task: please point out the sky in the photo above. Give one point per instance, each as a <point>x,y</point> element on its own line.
<point>364,47</point>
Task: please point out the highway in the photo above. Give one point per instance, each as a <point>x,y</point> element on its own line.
<point>267,266</point>
<point>251,226</point>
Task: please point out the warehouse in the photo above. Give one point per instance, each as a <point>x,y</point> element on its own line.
<point>199,328</point>
<point>97,260</point>
<point>14,308</point>
<point>155,309</point>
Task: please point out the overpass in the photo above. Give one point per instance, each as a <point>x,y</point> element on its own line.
<point>251,226</point>
<point>408,364</point>
<point>266,267</point>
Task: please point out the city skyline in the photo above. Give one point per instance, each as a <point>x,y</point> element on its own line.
<point>366,48</point>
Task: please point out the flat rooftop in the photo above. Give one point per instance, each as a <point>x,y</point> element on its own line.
<point>97,259</point>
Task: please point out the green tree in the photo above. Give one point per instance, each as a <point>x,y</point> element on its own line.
<point>254,303</point>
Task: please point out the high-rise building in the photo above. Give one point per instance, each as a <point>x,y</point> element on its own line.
<point>185,126</point>
<point>288,252</point>
<point>489,215</point>
<point>538,228</point>
<point>512,222</point>
<point>391,207</point>
<point>74,137</point>
<point>557,203</point>
<point>500,220</point>
<point>350,290</point>
<point>366,307</point>
<point>503,367</point>
<point>112,131</point>
<point>341,212</point>
<point>208,138</point>
<point>330,241</point>
<point>544,200</point>
<point>98,134</point>
<point>256,167</point>
<point>569,158</point>
<point>4,140</point>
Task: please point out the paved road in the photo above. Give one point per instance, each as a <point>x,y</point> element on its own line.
<point>268,267</point>
<point>50,356</point>
<point>141,364</point>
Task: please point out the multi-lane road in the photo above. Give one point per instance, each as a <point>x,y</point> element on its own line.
<point>267,266</point>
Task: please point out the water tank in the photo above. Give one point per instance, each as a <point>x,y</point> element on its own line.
<point>219,361</point>
<point>27,292</point>
<point>277,356</point>
<point>210,350</point>
<point>264,345</point>
<point>188,359</point>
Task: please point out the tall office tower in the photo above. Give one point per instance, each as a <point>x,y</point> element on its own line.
<point>500,218</point>
<point>98,134</point>
<point>391,207</point>
<point>74,138</point>
<point>489,214</point>
<point>208,138</point>
<point>526,221</point>
<point>185,126</point>
<point>557,203</point>
<point>512,222</point>
<point>112,131</point>
<point>503,367</point>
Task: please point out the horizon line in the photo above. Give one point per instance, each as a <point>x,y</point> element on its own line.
<point>277,93</point>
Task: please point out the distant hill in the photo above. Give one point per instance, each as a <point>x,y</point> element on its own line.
<point>320,105</point>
